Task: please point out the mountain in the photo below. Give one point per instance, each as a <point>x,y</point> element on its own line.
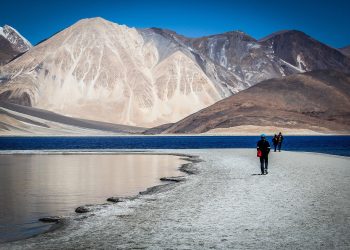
<point>243,56</point>
<point>307,54</point>
<point>99,70</point>
<point>167,41</point>
<point>346,50</point>
<point>317,101</point>
<point>12,44</point>
<point>279,54</point>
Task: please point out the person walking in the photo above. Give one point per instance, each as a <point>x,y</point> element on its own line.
<point>275,142</point>
<point>280,140</point>
<point>263,148</point>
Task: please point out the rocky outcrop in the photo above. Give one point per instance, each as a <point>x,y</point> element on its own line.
<point>51,219</point>
<point>83,209</point>
<point>12,44</point>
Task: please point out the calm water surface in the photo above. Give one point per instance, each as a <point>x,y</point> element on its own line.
<point>338,145</point>
<point>34,186</point>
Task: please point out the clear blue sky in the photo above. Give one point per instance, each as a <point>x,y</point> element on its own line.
<point>327,21</point>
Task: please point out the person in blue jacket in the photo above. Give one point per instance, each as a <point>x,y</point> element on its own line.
<point>264,146</point>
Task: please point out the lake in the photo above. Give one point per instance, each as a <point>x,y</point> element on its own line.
<point>338,145</point>
<point>38,185</point>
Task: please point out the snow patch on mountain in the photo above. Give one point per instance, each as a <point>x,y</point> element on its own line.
<point>15,38</point>
<point>292,66</point>
<point>301,63</point>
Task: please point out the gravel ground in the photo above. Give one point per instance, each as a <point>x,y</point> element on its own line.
<point>303,203</point>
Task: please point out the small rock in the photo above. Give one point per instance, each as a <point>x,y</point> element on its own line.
<point>150,190</point>
<point>50,219</point>
<point>174,179</point>
<point>114,199</point>
<point>82,209</point>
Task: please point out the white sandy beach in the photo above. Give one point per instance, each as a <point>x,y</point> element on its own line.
<point>303,203</point>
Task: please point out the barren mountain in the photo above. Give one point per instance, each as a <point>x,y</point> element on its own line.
<point>305,53</point>
<point>241,55</point>
<point>318,101</point>
<point>12,44</point>
<point>99,70</point>
<point>250,61</point>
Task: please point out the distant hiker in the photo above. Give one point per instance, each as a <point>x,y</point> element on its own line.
<point>280,140</point>
<point>263,148</point>
<point>275,142</point>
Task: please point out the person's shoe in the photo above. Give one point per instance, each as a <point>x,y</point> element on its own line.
<point>266,172</point>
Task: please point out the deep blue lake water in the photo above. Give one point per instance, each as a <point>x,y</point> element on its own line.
<point>338,145</point>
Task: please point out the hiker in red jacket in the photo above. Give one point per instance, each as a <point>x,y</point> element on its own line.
<point>263,148</point>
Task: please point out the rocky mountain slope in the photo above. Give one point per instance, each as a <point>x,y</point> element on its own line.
<point>99,70</point>
<point>279,54</point>
<point>318,101</point>
<point>12,44</point>
<point>307,54</point>
<point>346,50</point>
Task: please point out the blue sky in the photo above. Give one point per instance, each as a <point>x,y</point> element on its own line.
<point>327,21</point>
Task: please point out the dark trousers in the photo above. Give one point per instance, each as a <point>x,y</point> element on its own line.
<point>279,146</point>
<point>264,161</point>
<point>275,146</point>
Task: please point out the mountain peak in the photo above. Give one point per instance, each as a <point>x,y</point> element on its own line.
<point>233,33</point>
<point>97,25</point>
<point>283,33</point>
<point>97,21</point>
<point>93,20</point>
<point>15,38</point>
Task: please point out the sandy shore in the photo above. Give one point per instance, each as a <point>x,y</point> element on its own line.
<point>304,203</point>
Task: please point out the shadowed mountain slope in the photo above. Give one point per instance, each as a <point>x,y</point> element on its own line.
<point>319,101</point>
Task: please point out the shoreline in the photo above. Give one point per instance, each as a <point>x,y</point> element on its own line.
<point>221,207</point>
<point>154,151</point>
<point>166,181</point>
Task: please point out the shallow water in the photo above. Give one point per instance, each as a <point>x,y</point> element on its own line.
<point>34,186</point>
